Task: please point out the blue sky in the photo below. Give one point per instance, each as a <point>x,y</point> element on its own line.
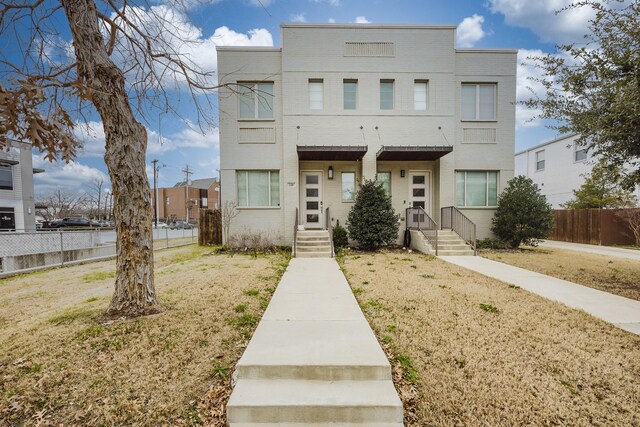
<point>528,25</point>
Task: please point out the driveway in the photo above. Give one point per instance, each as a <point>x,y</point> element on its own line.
<point>594,249</point>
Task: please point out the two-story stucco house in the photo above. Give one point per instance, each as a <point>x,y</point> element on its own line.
<point>17,206</point>
<point>302,125</point>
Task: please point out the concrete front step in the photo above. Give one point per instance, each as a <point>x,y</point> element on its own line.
<point>464,252</point>
<point>317,424</point>
<point>312,239</point>
<point>452,247</point>
<point>295,401</point>
<point>302,243</point>
<point>324,254</point>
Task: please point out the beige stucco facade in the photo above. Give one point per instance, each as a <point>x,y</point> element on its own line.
<point>369,54</point>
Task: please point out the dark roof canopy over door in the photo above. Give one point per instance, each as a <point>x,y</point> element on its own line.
<point>420,152</point>
<point>331,152</point>
<point>7,162</point>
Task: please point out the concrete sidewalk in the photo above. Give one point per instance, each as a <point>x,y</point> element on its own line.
<point>593,249</point>
<point>313,359</point>
<point>622,312</point>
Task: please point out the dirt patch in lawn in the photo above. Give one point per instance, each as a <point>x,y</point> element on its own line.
<point>60,365</point>
<point>610,274</point>
<point>468,350</point>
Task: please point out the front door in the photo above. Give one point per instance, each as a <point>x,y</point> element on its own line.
<point>419,190</point>
<point>311,198</point>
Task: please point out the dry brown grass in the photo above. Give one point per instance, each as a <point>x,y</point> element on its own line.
<point>610,274</point>
<point>472,351</point>
<point>60,365</point>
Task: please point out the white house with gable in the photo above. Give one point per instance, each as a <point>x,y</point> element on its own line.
<point>303,124</point>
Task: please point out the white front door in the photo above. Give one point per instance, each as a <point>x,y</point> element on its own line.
<point>419,190</point>
<point>311,200</point>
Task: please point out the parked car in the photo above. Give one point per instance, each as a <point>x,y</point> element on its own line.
<point>184,225</point>
<point>160,225</point>
<point>70,222</point>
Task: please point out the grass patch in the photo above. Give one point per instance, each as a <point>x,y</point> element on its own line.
<point>252,292</point>
<point>98,276</point>
<point>71,315</point>
<point>489,308</point>
<point>240,308</point>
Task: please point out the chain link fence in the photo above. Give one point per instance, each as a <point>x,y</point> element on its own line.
<point>25,251</point>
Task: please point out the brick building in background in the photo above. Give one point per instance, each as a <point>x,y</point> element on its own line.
<point>173,204</point>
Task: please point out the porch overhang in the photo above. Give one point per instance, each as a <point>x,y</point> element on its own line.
<point>331,152</point>
<point>7,162</point>
<point>419,152</point>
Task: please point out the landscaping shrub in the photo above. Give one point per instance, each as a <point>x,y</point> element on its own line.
<point>340,239</point>
<point>372,221</point>
<point>249,240</point>
<point>523,214</point>
<point>490,243</point>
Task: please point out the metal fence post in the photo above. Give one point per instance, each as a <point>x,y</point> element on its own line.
<point>61,249</point>
<point>166,234</point>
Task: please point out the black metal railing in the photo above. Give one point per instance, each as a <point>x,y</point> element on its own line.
<point>451,217</point>
<point>295,234</point>
<point>329,227</point>
<point>418,219</point>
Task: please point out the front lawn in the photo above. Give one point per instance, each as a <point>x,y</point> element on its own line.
<point>468,350</point>
<point>61,365</point>
<point>610,274</point>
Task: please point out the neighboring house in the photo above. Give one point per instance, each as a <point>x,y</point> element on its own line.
<point>558,167</point>
<point>302,125</point>
<point>203,193</point>
<point>17,206</point>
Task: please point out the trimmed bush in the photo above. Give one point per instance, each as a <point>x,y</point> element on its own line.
<point>340,239</point>
<point>523,214</point>
<point>372,221</point>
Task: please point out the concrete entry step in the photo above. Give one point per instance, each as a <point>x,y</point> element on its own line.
<point>294,401</point>
<point>317,424</point>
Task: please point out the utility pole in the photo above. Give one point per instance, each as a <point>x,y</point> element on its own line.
<point>187,172</point>
<point>155,192</point>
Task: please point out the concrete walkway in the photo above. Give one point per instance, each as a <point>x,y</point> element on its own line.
<point>313,359</point>
<point>622,312</point>
<point>593,249</point>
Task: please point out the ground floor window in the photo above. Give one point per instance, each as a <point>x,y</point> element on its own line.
<point>385,179</point>
<point>258,189</point>
<point>476,188</point>
<point>348,186</point>
<point>7,219</point>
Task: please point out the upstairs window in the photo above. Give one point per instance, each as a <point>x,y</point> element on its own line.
<point>420,95</point>
<point>316,94</point>
<point>256,100</point>
<point>386,94</point>
<point>6,177</point>
<point>580,154</point>
<point>540,160</point>
<point>478,101</point>
<point>350,94</point>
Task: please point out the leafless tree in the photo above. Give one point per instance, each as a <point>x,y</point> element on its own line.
<point>631,216</point>
<point>95,197</point>
<point>60,204</point>
<point>125,60</point>
<point>229,212</point>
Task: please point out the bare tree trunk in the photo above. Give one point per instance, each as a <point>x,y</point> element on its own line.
<point>126,144</point>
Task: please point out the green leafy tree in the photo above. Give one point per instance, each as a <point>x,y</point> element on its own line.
<point>600,190</point>
<point>372,221</point>
<point>523,214</point>
<point>593,88</point>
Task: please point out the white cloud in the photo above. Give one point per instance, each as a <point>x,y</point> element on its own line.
<point>334,3</point>
<point>332,21</point>
<point>298,17</point>
<point>72,176</point>
<point>261,3</point>
<point>540,17</point>
<point>470,31</point>
<point>526,88</point>
<point>362,20</point>
<point>184,138</point>
<point>91,135</point>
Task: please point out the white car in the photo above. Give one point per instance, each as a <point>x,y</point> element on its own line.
<point>160,225</point>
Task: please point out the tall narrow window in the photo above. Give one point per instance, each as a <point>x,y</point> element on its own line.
<point>386,94</point>
<point>258,188</point>
<point>540,160</point>
<point>420,95</point>
<point>580,153</point>
<point>348,186</point>
<point>256,100</point>
<point>476,188</point>
<point>478,101</point>
<point>385,179</point>
<point>316,94</point>
<point>350,94</point>
<point>6,177</point>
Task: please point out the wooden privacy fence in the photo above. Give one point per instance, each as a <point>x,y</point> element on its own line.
<point>591,226</point>
<point>210,232</point>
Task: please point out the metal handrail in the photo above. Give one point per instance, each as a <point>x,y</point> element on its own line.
<point>418,218</point>
<point>329,227</point>
<point>295,234</point>
<point>451,217</point>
